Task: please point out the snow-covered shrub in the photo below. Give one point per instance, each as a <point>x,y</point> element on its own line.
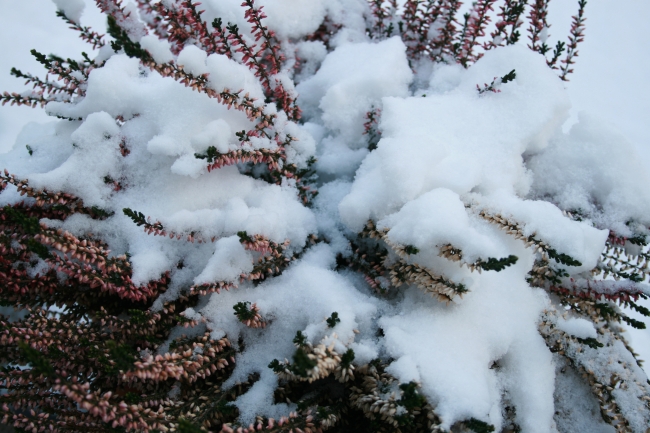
<point>323,219</point>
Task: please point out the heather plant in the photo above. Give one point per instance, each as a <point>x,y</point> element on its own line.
<point>319,220</point>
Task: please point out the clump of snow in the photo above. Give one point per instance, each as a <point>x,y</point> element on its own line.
<point>95,144</point>
<point>577,327</point>
<point>460,140</point>
<point>230,260</point>
<point>282,302</point>
<point>192,59</point>
<point>159,49</point>
<point>545,221</point>
<point>446,154</point>
<point>352,79</point>
<point>294,18</point>
<point>451,351</point>
<point>71,8</point>
<point>595,172</point>
<point>438,218</point>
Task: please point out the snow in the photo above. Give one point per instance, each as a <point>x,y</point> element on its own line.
<point>309,283</point>
<point>606,182</point>
<point>577,327</point>
<point>426,140</point>
<point>229,261</point>
<point>158,48</point>
<point>71,8</point>
<point>351,80</point>
<point>453,351</point>
<point>446,154</point>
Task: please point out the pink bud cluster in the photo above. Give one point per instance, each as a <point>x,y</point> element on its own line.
<point>293,423</point>
<point>197,362</point>
<point>505,31</point>
<point>479,18</point>
<point>95,39</point>
<point>538,23</point>
<point>576,36</point>
<point>134,28</point>
<point>33,99</point>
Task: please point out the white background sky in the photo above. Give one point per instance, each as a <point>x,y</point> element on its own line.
<point>611,78</point>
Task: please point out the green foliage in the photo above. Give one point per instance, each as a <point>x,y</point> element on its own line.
<point>510,76</point>
<point>100,213</point>
<point>347,358</point>
<point>211,154</point>
<point>639,309</point>
<point>302,363</point>
<point>185,426</point>
<point>591,342</point>
<point>123,42</point>
<point>300,339</point>
<point>241,135</point>
<point>492,264</point>
<point>30,225</point>
<point>633,322</point>
<point>138,317</point>
<point>410,249</point>
<point>639,240</point>
<point>29,149</point>
<point>122,357</point>
<point>333,320</point>
<point>243,311</point>
<point>132,398</point>
<point>608,313</point>
<point>244,237</point>
<point>37,248</point>
<point>137,217</point>
<point>36,359</point>
<point>411,398</point>
<point>276,366</point>
<point>42,59</point>
<point>478,426</point>
<point>562,258</point>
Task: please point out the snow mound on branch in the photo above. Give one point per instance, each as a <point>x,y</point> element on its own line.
<point>459,139</point>
<point>352,79</point>
<point>282,302</point>
<point>71,8</point>
<point>452,351</point>
<point>595,172</point>
<point>443,158</point>
<point>164,125</point>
